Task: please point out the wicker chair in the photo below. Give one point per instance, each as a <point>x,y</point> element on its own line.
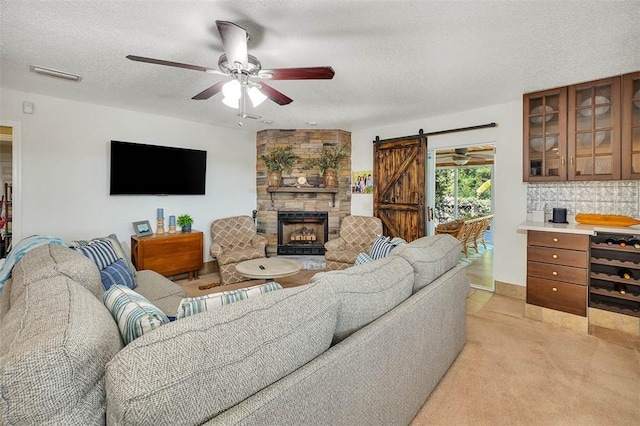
<point>234,239</point>
<point>357,234</point>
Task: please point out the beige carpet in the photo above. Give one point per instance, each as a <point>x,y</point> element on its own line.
<point>514,371</point>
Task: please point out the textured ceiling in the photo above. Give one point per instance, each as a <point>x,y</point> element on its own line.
<point>394,61</point>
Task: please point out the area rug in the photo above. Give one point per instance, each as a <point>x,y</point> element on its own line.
<point>473,255</point>
<point>515,371</point>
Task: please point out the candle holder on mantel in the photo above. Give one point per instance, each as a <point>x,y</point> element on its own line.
<point>172,224</point>
<point>160,229</point>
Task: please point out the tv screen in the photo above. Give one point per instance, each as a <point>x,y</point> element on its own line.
<point>139,169</point>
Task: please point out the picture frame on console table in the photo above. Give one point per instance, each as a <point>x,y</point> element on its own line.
<point>142,228</point>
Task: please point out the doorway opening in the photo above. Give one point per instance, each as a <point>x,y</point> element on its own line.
<point>463,190</point>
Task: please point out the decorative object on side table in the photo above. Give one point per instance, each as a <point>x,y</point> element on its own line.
<point>160,218</point>
<point>184,222</point>
<point>142,228</point>
<point>328,163</point>
<point>280,159</point>
<point>172,224</point>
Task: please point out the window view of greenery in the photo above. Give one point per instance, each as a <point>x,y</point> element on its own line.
<point>471,197</point>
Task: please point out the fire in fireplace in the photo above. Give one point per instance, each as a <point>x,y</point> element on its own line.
<point>302,232</point>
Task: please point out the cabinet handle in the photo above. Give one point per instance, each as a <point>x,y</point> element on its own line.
<point>555,240</point>
<point>562,161</point>
<point>572,161</point>
<point>554,289</point>
<point>555,256</point>
<point>554,273</point>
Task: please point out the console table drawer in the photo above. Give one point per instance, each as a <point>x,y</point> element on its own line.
<point>571,298</point>
<point>558,239</point>
<point>578,259</point>
<point>567,274</point>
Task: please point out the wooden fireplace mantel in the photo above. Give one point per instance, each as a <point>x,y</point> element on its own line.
<point>299,190</point>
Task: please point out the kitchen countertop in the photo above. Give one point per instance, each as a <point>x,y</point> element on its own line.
<point>577,228</point>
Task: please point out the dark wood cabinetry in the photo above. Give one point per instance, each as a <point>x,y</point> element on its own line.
<point>607,289</point>
<point>169,254</point>
<point>557,271</point>
<point>586,131</point>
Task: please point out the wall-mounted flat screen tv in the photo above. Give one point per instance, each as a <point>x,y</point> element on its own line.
<point>139,169</point>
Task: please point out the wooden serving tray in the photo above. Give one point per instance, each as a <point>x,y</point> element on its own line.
<point>606,219</point>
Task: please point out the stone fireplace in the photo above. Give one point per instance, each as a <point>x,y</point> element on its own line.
<point>302,232</point>
<point>335,205</point>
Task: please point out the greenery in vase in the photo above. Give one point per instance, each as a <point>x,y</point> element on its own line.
<point>280,158</point>
<point>184,220</point>
<point>329,159</point>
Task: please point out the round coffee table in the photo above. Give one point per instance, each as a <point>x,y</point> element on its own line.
<point>267,268</point>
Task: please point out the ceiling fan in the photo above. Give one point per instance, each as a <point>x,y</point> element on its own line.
<point>462,156</point>
<point>247,75</point>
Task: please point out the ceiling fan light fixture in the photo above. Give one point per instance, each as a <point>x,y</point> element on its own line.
<point>461,161</point>
<point>232,92</point>
<point>256,96</point>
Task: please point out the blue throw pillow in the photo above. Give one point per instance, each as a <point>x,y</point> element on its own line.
<point>117,273</point>
<point>381,247</point>
<point>100,252</point>
<point>362,259</point>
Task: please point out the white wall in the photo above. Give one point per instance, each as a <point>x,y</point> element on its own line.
<point>510,192</point>
<point>65,168</point>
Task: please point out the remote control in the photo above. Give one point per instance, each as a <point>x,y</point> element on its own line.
<point>261,267</point>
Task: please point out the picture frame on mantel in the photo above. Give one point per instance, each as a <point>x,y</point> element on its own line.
<point>142,228</point>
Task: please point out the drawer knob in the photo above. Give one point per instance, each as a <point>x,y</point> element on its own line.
<point>554,289</point>
<point>554,273</point>
<point>555,240</point>
<point>555,256</point>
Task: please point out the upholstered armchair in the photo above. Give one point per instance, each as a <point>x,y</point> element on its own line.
<point>357,234</point>
<point>233,240</point>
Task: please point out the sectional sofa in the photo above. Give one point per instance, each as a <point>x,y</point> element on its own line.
<point>364,345</point>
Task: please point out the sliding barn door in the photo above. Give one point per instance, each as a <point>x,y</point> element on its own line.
<point>399,170</point>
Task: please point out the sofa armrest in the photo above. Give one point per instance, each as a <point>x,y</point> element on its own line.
<point>216,250</point>
<point>335,244</point>
<point>259,241</point>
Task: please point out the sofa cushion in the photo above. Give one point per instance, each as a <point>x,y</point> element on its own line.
<point>195,305</point>
<point>430,257</point>
<point>55,342</point>
<point>134,314</point>
<point>159,290</point>
<point>217,359</point>
<point>117,273</point>
<point>53,260</point>
<point>367,291</point>
<point>100,252</point>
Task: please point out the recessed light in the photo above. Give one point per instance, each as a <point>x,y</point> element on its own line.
<point>312,123</point>
<point>267,122</point>
<point>55,73</point>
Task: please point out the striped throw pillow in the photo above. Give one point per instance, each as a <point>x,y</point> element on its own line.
<point>115,244</point>
<point>100,252</point>
<point>134,314</point>
<point>381,247</point>
<point>194,305</point>
<point>117,273</point>
<point>362,259</point>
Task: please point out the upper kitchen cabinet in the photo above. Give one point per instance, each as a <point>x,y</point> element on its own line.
<point>545,135</point>
<point>631,126</point>
<point>593,137</point>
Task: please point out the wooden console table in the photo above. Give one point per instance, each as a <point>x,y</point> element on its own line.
<point>169,254</point>
<point>305,190</point>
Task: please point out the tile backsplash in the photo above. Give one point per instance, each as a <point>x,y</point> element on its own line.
<point>602,197</point>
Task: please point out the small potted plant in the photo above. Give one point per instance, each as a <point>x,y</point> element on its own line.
<point>280,159</point>
<point>328,164</point>
<point>185,221</point>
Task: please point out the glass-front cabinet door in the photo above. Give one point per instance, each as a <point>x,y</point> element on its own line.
<point>594,130</point>
<point>545,135</point>
<point>545,125</point>
<point>631,126</point>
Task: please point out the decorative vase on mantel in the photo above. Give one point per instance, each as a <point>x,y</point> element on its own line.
<point>330,177</point>
<point>274,178</point>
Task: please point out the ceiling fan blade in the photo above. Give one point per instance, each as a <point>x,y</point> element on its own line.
<point>308,73</point>
<point>277,97</point>
<point>174,64</point>
<point>207,93</point>
<point>234,40</point>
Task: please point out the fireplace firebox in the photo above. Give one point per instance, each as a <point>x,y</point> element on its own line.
<point>302,232</point>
